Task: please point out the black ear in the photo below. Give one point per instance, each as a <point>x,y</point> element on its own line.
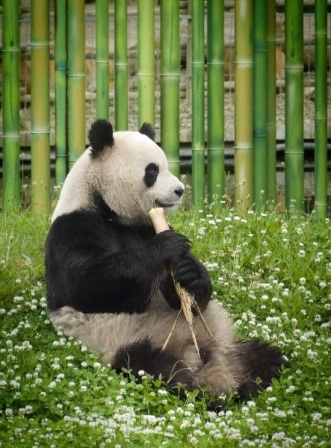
<point>100,135</point>
<point>148,130</point>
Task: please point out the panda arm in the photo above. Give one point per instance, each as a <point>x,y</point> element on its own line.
<point>193,276</point>
<point>94,268</point>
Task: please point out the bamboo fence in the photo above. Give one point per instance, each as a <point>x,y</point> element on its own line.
<point>173,37</point>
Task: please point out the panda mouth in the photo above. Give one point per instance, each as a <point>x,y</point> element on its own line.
<point>164,204</point>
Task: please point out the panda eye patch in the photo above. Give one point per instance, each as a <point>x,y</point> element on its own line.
<point>151,173</point>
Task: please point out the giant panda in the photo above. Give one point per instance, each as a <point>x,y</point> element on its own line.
<point>108,274</point>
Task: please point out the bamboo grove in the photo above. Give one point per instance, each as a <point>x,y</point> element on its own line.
<point>255,94</point>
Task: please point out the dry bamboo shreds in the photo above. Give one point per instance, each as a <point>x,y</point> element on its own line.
<point>186,299</point>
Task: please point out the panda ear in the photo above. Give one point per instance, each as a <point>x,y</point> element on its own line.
<point>148,130</point>
<point>100,135</point>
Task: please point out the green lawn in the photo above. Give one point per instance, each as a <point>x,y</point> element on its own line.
<point>274,277</point>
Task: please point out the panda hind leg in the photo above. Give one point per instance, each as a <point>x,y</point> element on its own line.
<point>260,363</point>
<point>142,356</point>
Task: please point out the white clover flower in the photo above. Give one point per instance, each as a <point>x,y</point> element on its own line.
<point>9,412</point>
<point>316,416</point>
<point>15,384</point>
<point>311,354</point>
<point>97,365</point>
<point>278,436</point>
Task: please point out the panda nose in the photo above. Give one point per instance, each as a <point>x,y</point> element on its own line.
<point>179,192</point>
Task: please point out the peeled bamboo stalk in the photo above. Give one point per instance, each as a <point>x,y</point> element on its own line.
<point>186,299</point>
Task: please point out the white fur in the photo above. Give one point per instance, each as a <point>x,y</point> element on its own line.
<point>116,171</point>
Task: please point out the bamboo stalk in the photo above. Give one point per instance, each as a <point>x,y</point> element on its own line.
<point>146,62</point>
<point>121,66</point>
<point>294,167</point>
<point>321,109</point>
<point>61,164</point>
<point>198,124</point>
<point>76,79</point>
<point>102,58</point>
<point>260,104</point>
<point>40,116</point>
<point>215,22</point>
<point>243,155</point>
<point>11,104</point>
<point>271,100</point>
<point>170,82</point>
<point>186,299</point>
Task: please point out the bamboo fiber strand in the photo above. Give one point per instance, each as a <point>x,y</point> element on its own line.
<point>186,299</point>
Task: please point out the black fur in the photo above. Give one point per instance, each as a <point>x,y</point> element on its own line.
<point>100,136</point>
<point>261,363</point>
<point>148,130</point>
<point>141,356</point>
<point>151,173</point>
<point>95,264</point>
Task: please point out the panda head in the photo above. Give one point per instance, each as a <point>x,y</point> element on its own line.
<point>127,171</point>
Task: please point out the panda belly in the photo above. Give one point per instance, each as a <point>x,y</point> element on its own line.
<point>139,347</point>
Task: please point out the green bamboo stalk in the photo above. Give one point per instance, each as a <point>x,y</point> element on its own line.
<point>121,66</point>
<point>170,82</point>
<point>61,92</point>
<point>198,125</point>
<point>294,153</point>
<point>102,58</point>
<point>260,104</point>
<point>40,116</point>
<point>321,109</point>
<point>76,79</point>
<point>215,22</point>
<point>146,62</point>
<point>11,103</point>
<point>271,100</point>
<point>243,156</point>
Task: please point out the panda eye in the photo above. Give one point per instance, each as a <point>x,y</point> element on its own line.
<point>151,173</point>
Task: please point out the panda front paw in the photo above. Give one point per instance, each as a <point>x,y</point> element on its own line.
<point>193,277</point>
<point>171,246</point>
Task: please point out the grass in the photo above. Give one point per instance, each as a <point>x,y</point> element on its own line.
<point>274,277</point>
